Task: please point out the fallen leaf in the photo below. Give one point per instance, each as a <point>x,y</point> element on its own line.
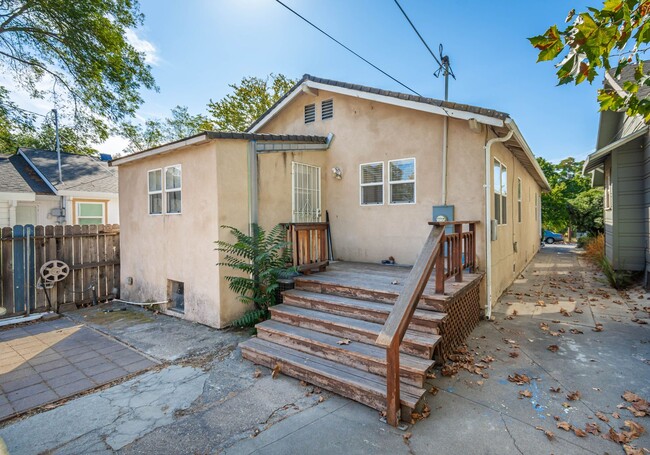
<point>598,328</point>
<point>602,416</point>
<point>344,341</point>
<point>564,312</point>
<point>543,326</point>
<point>576,331</point>
<point>519,379</point>
<point>540,303</point>
<point>566,426</point>
<point>578,310</point>
<point>407,436</point>
<point>631,450</point>
<point>321,399</point>
<point>434,390</point>
<point>479,382</point>
<point>257,373</point>
<point>276,371</point>
<point>513,354</point>
<point>525,394</point>
<point>431,375</point>
<point>578,432</point>
<point>573,396</point>
<point>592,428</point>
<point>566,405</point>
<point>555,389</point>
<point>553,348</point>
<point>549,434</point>
<point>616,415</point>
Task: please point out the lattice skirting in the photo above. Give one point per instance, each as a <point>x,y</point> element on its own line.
<point>463,315</point>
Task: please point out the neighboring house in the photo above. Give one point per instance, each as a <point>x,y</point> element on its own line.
<point>621,164</point>
<point>31,191</point>
<point>381,164</point>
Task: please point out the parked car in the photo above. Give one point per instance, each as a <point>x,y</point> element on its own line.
<point>552,237</point>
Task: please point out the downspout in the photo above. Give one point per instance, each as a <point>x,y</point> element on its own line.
<point>488,220</point>
<point>253,213</point>
<point>445,132</point>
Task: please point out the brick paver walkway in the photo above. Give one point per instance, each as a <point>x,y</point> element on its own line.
<point>50,360</point>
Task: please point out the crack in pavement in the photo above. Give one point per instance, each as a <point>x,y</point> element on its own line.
<point>510,434</point>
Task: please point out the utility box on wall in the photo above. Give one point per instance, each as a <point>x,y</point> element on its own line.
<point>443,213</point>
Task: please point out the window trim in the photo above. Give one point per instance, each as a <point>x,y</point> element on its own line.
<point>149,192</point>
<point>75,209</point>
<point>166,191</point>
<point>607,200</point>
<point>382,183</point>
<point>502,167</point>
<point>413,181</point>
<point>519,202</point>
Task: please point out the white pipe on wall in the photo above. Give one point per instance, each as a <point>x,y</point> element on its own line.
<point>445,132</point>
<point>488,219</point>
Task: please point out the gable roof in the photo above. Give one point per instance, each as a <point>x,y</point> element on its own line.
<point>16,176</point>
<point>501,122</point>
<point>627,75</point>
<point>81,173</point>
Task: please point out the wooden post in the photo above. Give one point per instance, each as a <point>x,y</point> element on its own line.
<point>472,249</point>
<point>458,252</point>
<point>392,383</point>
<point>440,267</point>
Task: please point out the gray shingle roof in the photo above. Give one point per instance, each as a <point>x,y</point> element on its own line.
<point>17,176</point>
<point>81,173</point>
<point>627,74</point>
<point>378,91</point>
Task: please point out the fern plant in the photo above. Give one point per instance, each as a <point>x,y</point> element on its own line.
<point>260,258</point>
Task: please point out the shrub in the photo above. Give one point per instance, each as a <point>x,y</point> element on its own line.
<point>261,258</point>
<point>595,251</point>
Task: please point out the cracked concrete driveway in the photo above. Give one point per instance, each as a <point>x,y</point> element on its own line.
<point>206,399</point>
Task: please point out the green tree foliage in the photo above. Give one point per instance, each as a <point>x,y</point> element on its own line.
<point>258,260</point>
<point>159,131</point>
<point>234,112</point>
<point>620,29</point>
<point>79,51</point>
<point>586,211</point>
<point>250,99</point>
<point>567,182</point>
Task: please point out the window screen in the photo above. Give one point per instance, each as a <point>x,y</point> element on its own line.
<point>402,181</point>
<point>155,192</point>
<point>372,183</point>
<point>173,189</point>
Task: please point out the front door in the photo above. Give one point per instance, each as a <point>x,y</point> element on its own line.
<point>305,193</point>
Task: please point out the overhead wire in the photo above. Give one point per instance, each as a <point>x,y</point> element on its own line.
<point>418,33</point>
<point>347,48</point>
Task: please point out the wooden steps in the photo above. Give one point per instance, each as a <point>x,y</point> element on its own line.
<point>425,321</point>
<point>306,334</point>
<point>358,385</point>
<point>367,357</point>
<point>414,343</point>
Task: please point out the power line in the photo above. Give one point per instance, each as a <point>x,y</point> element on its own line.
<point>348,49</point>
<point>418,33</point>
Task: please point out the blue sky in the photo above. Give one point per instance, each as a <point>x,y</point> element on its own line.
<point>198,47</point>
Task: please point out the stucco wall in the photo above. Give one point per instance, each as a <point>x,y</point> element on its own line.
<point>155,248</point>
<point>507,263</point>
<point>367,131</point>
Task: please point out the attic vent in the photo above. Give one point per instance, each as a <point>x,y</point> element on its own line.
<point>310,113</point>
<point>327,109</point>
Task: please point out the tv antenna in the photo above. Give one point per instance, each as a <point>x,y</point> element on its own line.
<point>445,70</point>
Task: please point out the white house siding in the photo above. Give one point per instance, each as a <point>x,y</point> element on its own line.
<point>628,207</point>
<point>4,213</point>
<point>608,218</point>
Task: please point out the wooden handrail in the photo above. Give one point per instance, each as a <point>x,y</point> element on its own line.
<point>432,254</point>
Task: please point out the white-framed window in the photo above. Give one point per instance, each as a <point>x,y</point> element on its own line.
<point>310,113</point>
<point>519,199</point>
<point>90,212</point>
<point>608,187</point>
<point>500,192</point>
<point>155,192</point>
<point>327,109</point>
<point>173,189</point>
<point>371,178</point>
<point>401,181</point>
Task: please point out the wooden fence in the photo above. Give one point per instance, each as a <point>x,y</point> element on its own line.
<point>91,252</point>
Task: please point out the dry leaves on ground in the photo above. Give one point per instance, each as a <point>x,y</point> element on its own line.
<point>576,331</point>
<point>543,326</point>
<point>525,394</point>
<point>549,434</point>
<point>639,407</point>
<point>555,389</point>
<point>593,428</point>
<point>519,379</point>
<point>513,354</point>
<point>553,348</point>
<point>564,312</point>
<point>598,328</point>
<point>343,341</point>
<point>566,426</point>
<point>602,416</point>
<point>257,373</point>
<point>573,396</point>
<point>623,437</point>
<point>276,371</point>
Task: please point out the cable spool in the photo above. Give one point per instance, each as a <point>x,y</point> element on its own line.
<point>52,272</point>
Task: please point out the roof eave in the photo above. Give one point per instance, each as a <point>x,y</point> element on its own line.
<point>510,123</point>
<point>597,159</point>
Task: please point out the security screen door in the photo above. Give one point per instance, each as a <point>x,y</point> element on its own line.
<point>305,193</point>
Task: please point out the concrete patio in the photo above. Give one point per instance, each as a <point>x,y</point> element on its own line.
<point>205,399</point>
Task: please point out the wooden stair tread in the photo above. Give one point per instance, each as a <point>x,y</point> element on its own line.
<point>378,283</point>
<point>376,353</point>
<point>361,305</point>
<point>357,330</point>
<point>367,388</point>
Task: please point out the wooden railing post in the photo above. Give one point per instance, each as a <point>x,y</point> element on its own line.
<point>472,249</point>
<point>440,267</point>
<point>458,252</point>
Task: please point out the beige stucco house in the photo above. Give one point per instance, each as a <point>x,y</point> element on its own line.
<point>381,165</point>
